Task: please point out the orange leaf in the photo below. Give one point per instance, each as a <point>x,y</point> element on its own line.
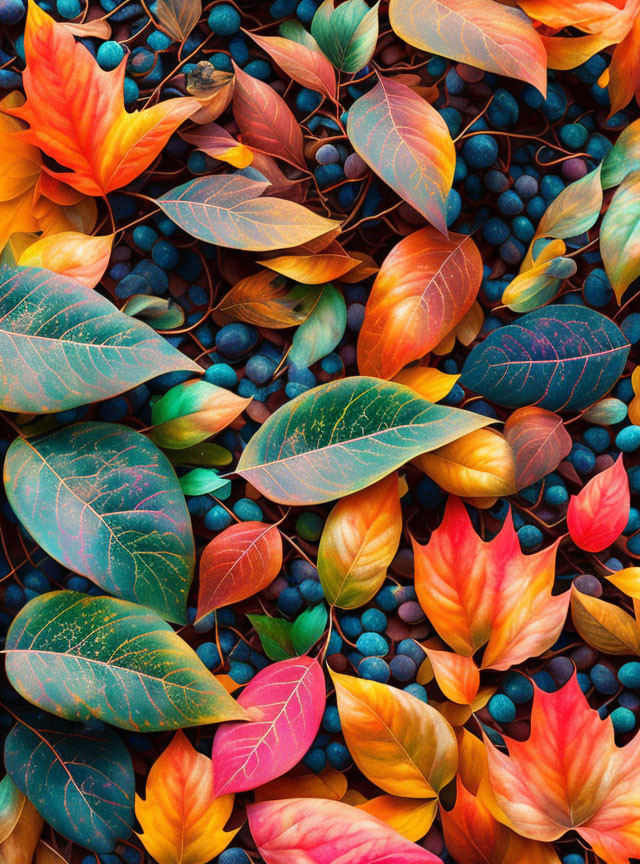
<point>457,677</point>
<point>262,299</point>
<point>76,111</point>
<point>598,514</point>
<point>19,846</point>
<point>432,384</point>
<point>624,71</point>
<point>411,817</point>
<point>424,288</point>
<point>606,627</point>
<point>307,66</point>
<point>500,598</point>
<point>182,822</point>
<point>241,561</point>
<point>219,144</point>
<point>472,834</point>
<point>329,783</point>
<point>80,256</point>
<point>552,783</point>
<point>313,268</point>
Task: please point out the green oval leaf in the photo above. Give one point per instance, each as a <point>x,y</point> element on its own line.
<point>105,502</point>
<point>79,778</point>
<point>323,329</point>
<point>228,210</point>
<point>82,657</point>
<point>346,35</point>
<point>563,358</point>
<point>345,435</point>
<point>63,345</point>
<point>620,233</point>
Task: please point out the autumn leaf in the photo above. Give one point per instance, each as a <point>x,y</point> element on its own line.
<point>76,112</point>
<point>182,821</point>
<point>539,441</point>
<point>80,256</point>
<point>598,514</point>
<point>552,783</point>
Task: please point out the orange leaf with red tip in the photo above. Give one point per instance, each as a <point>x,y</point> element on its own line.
<point>306,65</point>
<point>80,256</point>
<point>569,775</point>
<point>241,561</point>
<point>182,822</point>
<point>76,111</point>
<point>500,599</point>
<point>425,287</point>
<point>539,442</point>
<point>599,513</point>
<point>458,677</point>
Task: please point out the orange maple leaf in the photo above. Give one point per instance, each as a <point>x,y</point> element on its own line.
<point>569,775</point>
<point>77,116</point>
<point>485,595</point>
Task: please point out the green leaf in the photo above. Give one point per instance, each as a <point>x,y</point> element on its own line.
<point>82,657</point>
<point>275,636</point>
<point>323,329</point>
<point>79,778</point>
<point>309,627</point>
<point>346,35</point>
<point>157,312</point>
<point>619,234</point>
<point>345,435</point>
<point>206,455</point>
<point>202,481</point>
<point>105,502</point>
<point>11,804</point>
<point>63,345</point>
<point>623,158</point>
<point>606,412</point>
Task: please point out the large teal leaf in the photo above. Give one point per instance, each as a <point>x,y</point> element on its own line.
<point>105,502</point>
<point>64,345</point>
<point>82,657</point>
<point>558,357</point>
<point>79,778</point>
<point>345,435</point>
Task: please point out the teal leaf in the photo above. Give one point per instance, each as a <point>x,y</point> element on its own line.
<point>205,481</point>
<point>79,778</point>
<point>563,358</point>
<point>81,657</point>
<point>63,345</point>
<point>345,435</point>
<point>623,158</point>
<point>105,502</point>
<point>158,312</point>
<point>309,627</point>
<point>606,412</point>
<point>319,334</point>
<point>275,636</point>
<point>347,35</point>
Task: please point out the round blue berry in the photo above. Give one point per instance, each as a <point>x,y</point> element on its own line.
<point>233,855</point>
<point>68,8</point>
<point>290,601</point>
<point>11,11</point>
<point>372,645</point>
<point>109,55</point>
<point>217,518</point>
<point>510,203</point>
<point>603,679</point>
<point>402,667</point>
<point>374,669</point>
<point>623,720</point>
<point>247,510</point>
<point>517,687</point>
<point>224,20</point>
<point>628,439</point>
<point>338,756</point>
<point>331,719</point>
<point>629,675</point>
<point>315,759</point>
<point>530,536</point>
<point>502,708</point>
<point>236,339</point>
<point>374,621</point>
<point>480,151</point>
<point>209,654</point>
<point>327,154</point>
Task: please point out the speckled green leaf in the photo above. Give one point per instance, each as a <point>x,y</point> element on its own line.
<point>323,329</point>
<point>620,235</point>
<point>345,435</point>
<point>623,158</point>
<point>347,35</point>
<point>275,636</point>
<point>64,345</point>
<point>105,502</point>
<point>79,778</point>
<point>82,657</point>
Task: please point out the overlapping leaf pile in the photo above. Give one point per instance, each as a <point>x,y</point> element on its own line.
<point>319,388</point>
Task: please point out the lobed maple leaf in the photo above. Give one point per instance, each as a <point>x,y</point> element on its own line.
<point>552,783</point>
<point>487,595</point>
<point>76,112</point>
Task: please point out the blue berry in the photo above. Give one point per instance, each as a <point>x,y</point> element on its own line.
<point>290,601</point>
<point>544,681</point>
<point>503,110</point>
<point>374,621</point>
<point>402,667</point>
<point>628,439</point>
<point>510,203</point>
<point>241,673</point>
<point>131,91</point>
<point>305,10</point>
<point>311,591</point>
<point>623,720</point>
<point>158,41</point>
<point>217,518</point>
<point>574,135</point>
<point>526,186</point>
<point>495,181</point>
<point>501,708</point>
<point>308,100</point>
<point>331,719</point>
<point>529,536</point>
<point>629,675</point>
<point>556,495</point>
<point>480,151</point>
<point>517,687</point>
<point>222,375</point>
<point>209,654</point>
<point>582,458</point>
<point>454,206</point>
<point>236,339</point>
<point>259,69</point>
<point>374,669</point>
<point>109,55</point>
<point>315,759</point>
<point>338,756</point>
<point>453,119</point>
<point>327,154</point>
<point>372,645</point>
<point>495,231</point>
<point>247,510</point>
<point>11,11</point>
<point>68,8</point>
<point>573,858</point>
<point>224,20</point>
<point>631,327</point>
<point>597,288</point>
<point>233,855</point>
<point>603,680</point>
<point>418,691</point>
<point>551,186</point>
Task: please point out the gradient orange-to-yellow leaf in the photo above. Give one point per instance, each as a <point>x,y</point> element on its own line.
<point>552,783</point>
<point>620,235</point>
<point>406,142</point>
<point>472,834</point>
<point>76,112</point>
<point>365,267</point>
<point>424,288</point>
<point>500,598</point>
<point>81,256</point>
<point>599,513</point>
<point>539,442</point>
<point>216,142</point>
<point>306,65</point>
<point>604,626</point>
<point>627,580</point>
<point>238,563</point>
<point>402,745</point>
<point>264,300</point>
<point>411,817</point>
<point>430,383</point>
<point>465,332</point>
<point>182,822</point>
<point>481,33</point>
<point>480,464</point>
<point>359,539</point>
<point>265,120</point>
<point>458,677</point>
<point>567,52</point>
<point>313,268</point>
<point>587,15</point>
<point>328,784</point>
<point>624,69</point>
<point>20,845</point>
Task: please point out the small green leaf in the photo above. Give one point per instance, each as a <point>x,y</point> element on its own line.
<point>309,627</point>
<point>204,481</point>
<point>323,329</point>
<point>275,636</point>
<point>206,455</point>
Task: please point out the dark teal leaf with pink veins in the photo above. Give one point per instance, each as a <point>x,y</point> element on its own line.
<point>104,501</point>
<point>563,358</point>
<point>63,345</point>
<point>79,778</point>
<point>82,657</point>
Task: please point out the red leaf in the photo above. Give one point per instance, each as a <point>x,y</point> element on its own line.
<point>241,561</point>
<point>597,516</point>
<point>286,701</point>
<point>306,66</point>
<point>265,120</point>
<point>539,442</point>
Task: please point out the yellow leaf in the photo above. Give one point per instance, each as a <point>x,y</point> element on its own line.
<point>458,677</point>
<point>402,745</point>
<point>182,822</point>
<point>477,465</point>
<point>431,384</point>
<point>411,817</point>
<point>627,580</point>
<point>329,783</point>
<point>602,625</point>
<point>80,256</point>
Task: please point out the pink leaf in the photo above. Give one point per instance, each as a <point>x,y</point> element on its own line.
<point>319,831</point>
<point>597,516</point>
<point>285,702</point>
